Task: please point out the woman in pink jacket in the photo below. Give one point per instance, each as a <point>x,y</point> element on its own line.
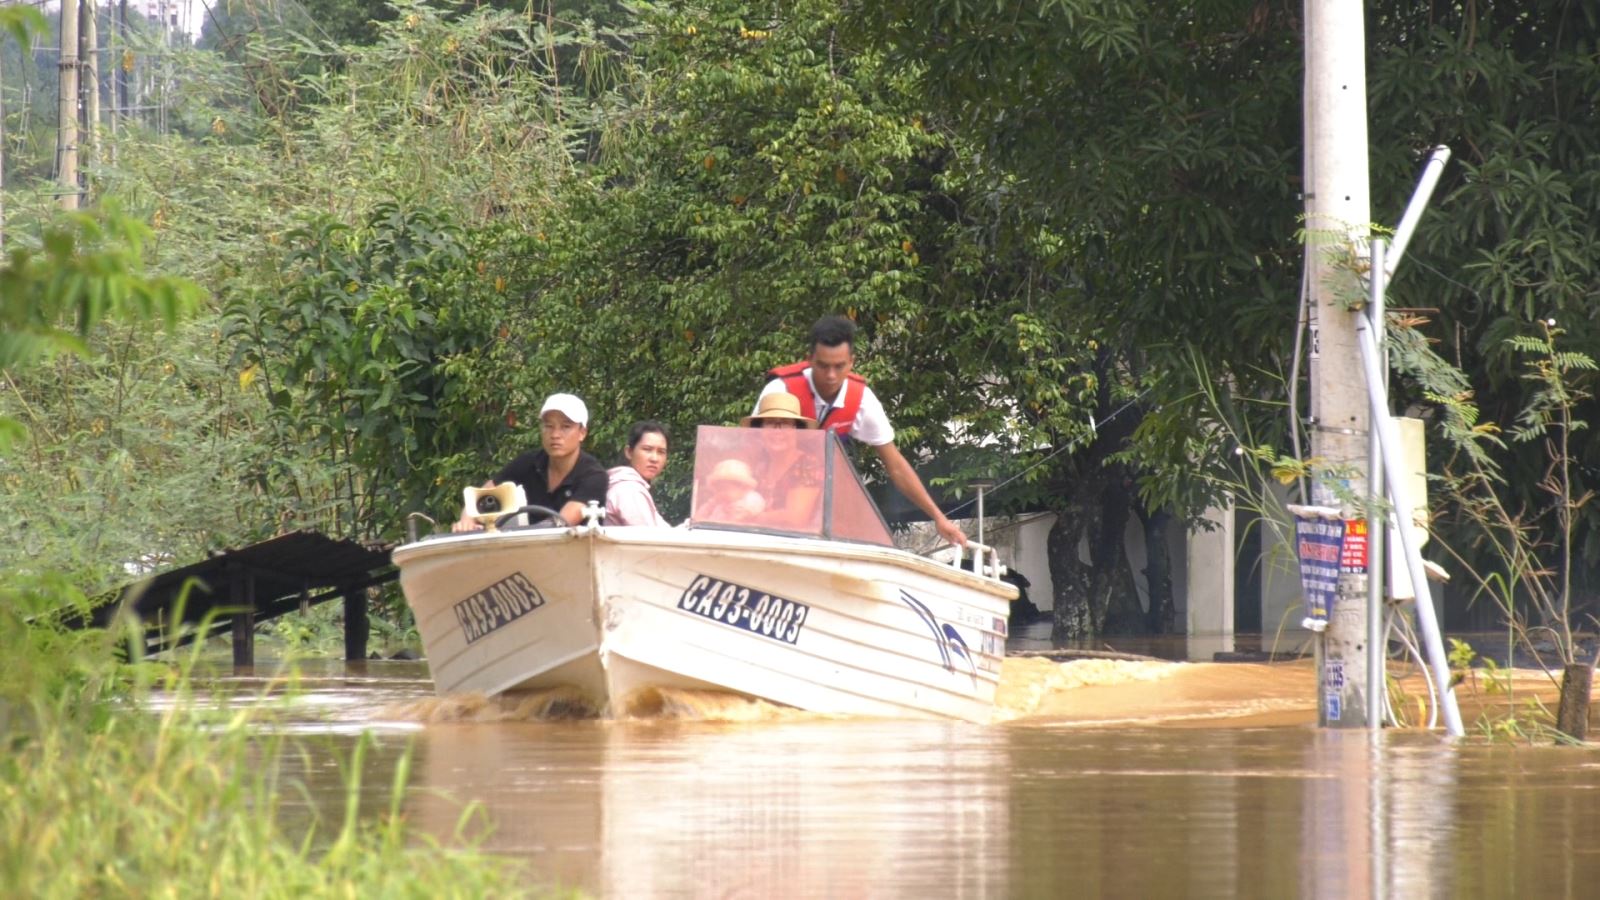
<point>628,500</point>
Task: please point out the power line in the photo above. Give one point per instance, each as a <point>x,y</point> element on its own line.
<point>1070,445</point>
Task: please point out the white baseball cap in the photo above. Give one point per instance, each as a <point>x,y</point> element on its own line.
<point>568,405</point>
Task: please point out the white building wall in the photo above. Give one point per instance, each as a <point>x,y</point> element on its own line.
<point>1209,585</point>
<point>1282,604</point>
<point>1204,575</point>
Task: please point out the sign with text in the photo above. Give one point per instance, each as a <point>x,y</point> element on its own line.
<point>497,606</point>
<point>1354,556</point>
<point>1319,543</point>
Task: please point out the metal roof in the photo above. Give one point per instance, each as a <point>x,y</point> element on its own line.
<point>285,569</point>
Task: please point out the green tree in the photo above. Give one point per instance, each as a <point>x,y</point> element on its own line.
<point>85,269</point>
<point>757,174</point>
<point>1158,144</point>
<point>1509,238</point>
<point>358,352</point>
<point>1168,139</point>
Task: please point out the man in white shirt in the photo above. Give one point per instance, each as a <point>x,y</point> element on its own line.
<point>839,400</point>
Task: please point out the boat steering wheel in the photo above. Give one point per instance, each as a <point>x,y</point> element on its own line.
<point>538,517</point>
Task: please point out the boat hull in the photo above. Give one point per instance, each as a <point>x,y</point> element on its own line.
<point>820,625</point>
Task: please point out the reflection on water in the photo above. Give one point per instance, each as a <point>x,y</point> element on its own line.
<point>691,798</point>
<point>637,809</point>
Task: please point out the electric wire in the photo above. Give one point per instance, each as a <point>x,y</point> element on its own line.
<point>1400,627</point>
<point>1302,323</point>
<point>1070,445</point>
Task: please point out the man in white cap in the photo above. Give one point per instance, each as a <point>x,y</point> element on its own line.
<point>559,475</point>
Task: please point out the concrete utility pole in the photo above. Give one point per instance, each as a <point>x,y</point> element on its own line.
<point>1337,216</point>
<point>119,75</point>
<point>91,75</point>
<point>2,151</point>
<point>67,124</point>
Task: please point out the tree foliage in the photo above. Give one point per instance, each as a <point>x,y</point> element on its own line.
<point>762,174</point>
<point>1041,216</point>
<point>358,351</point>
<point>1169,137</point>
<point>84,269</point>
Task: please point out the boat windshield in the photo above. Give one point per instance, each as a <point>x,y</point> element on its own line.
<point>782,480</point>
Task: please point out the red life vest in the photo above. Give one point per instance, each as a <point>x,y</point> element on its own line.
<point>842,415</point>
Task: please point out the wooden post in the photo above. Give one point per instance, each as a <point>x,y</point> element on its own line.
<point>356,626</point>
<point>1572,715</point>
<point>243,597</point>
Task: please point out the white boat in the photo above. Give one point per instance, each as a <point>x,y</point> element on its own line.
<point>819,611</point>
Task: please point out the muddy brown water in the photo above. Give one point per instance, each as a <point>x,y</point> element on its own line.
<point>1105,778</point>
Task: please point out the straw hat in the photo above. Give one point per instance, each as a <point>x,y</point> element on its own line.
<point>735,471</point>
<point>779,405</point>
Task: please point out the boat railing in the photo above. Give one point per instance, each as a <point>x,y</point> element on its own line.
<point>414,530</point>
<point>983,561</point>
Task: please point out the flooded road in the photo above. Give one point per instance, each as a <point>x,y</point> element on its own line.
<point>1087,790</point>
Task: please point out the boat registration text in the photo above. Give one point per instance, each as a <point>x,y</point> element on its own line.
<point>752,610</point>
<point>497,606</point>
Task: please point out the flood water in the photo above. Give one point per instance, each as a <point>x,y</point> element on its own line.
<point>1107,779</point>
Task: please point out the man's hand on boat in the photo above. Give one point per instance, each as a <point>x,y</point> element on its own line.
<point>950,531</point>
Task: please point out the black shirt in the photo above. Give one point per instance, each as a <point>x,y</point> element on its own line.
<point>587,480</point>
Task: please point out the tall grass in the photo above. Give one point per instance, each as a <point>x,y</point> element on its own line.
<point>100,796</point>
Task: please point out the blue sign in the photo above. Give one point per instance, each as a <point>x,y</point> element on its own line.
<point>1332,685</point>
<point>757,612</point>
<point>1319,541</point>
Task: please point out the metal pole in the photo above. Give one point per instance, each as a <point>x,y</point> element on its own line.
<point>1337,216</point>
<point>1389,438</point>
<point>1377,645</point>
<point>980,512</point>
<point>1431,170</point>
